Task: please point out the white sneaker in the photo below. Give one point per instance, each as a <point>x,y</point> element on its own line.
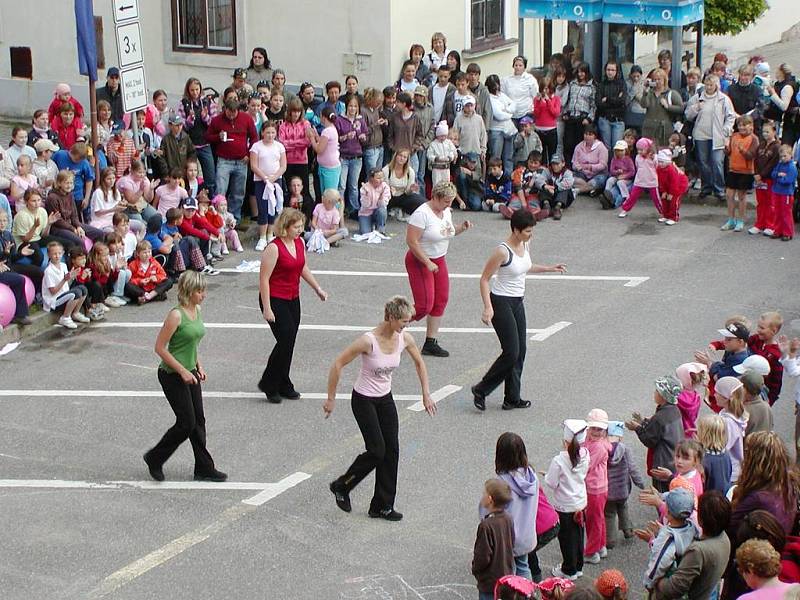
<point>592,559</point>
<point>662,219</point>
<point>768,232</point>
<point>209,270</point>
<point>67,322</point>
<point>103,308</point>
<point>754,230</point>
<point>225,251</point>
<point>261,244</point>
<point>603,552</point>
<point>557,572</point>
<point>80,317</point>
<point>112,302</point>
<point>622,214</point>
<point>669,222</point>
<point>240,249</point>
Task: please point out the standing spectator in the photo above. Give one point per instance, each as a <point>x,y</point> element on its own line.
<point>746,97</point>
<point>197,112</point>
<point>352,132</point>
<point>521,88</point>
<point>268,162</point>
<point>784,176</point>
<point>784,107</point>
<point>437,57</point>
<point>611,99</point>
<point>665,62</point>
<point>501,128</point>
<point>493,556</point>
<point>294,133</point>
<point>260,67</point>
<point>157,116</point>
<point>579,110</point>
<point>479,92</point>
<point>663,106</point>
<point>373,147</point>
<point>67,126</point>
<point>120,149</point>
<point>176,146</point>
<point>634,112</point>
<point>326,146</point>
<point>75,160</point>
<point>112,93</point>
<point>621,472</point>
<point>742,149</point>
<point>714,117</point>
<point>471,132</point>
<point>424,113</point>
<point>231,134</point>
<point>405,129</point>
<point>442,97</point>
<point>547,116</point>
<point>416,54</point>
<point>766,159</point>
<point>279,87</point>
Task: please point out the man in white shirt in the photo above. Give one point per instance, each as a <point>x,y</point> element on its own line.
<point>442,97</point>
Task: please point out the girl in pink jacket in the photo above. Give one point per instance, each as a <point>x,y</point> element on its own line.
<point>375,196</point>
<point>646,177</point>
<point>293,133</point>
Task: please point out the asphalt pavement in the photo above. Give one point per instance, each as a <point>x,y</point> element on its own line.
<point>81,519</point>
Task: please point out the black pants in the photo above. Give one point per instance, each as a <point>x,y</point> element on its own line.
<point>97,295</point>
<point>135,292</point>
<point>16,283</point>
<point>541,541</point>
<point>377,420</point>
<point>34,273</point>
<point>509,324</point>
<point>275,378</point>
<point>186,401</point>
<point>549,139</point>
<point>570,539</point>
<point>408,202</point>
<point>563,197</point>
<point>573,135</point>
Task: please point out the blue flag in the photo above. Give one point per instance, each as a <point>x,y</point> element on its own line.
<point>87,48</point>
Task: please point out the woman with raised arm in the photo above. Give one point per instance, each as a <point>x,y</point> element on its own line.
<point>373,406</point>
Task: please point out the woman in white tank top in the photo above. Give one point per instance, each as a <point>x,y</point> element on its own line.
<point>504,309</point>
<point>374,408</point>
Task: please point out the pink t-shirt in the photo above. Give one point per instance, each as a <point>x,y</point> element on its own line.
<point>772,592</point>
<point>127,183</point>
<point>329,158</point>
<point>375,377</point>
<point>326,219</point>
<point>25,182</point>
<point>168,198</point>
<point>646,174</point>
<point>268,157</point>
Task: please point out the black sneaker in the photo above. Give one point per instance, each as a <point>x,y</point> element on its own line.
<point>389,514</point>
<point>432,348</point>
<point>557,212</point>
<point>342,497</point>
<point>478,399</point>
<point>519,404</point>
<point>607,200</point>
<point>291,394</point>
<point>155,472</point>
<point>214,475</point>
<point>594,193</point>
<point>272,397</point>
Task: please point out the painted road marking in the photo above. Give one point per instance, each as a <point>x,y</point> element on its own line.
<point>273,490</point>
<point>539,334</point>
<point>206,394</point>
<point>436,396</point>
<point>151,485</point>
<point>630,280</point>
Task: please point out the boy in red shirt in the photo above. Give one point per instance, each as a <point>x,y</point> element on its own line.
<point>764,343</point>
<point>672,185</point>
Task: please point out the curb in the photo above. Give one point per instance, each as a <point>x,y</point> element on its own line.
<point>42,321</point>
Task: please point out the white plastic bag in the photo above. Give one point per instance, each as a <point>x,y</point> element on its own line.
<point>317,243</point>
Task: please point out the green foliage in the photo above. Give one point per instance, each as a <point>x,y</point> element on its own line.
<point>730,17</point>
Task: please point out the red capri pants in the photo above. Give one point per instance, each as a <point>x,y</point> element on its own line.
<point>430,290</point>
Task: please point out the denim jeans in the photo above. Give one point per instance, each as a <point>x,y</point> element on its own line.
<point>468,193</point>
<point>597,182</point>
<point>377,218</point>
<point>610,131</point>
<point>119,284</point>
<point>711,163</point>
<point>422,164</point>
<point>231,179</point>
<point>206,159</point>
<point>502,146</point>
<point>521,566</point>
<point>373,157</point>
<point>413,161</point>
<point>614,187</point>
<point>348,182</point>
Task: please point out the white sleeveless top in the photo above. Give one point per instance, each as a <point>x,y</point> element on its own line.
<point>510,277</point>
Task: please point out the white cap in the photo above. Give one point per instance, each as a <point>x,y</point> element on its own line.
<point>597,417</point>
<point>575,429</point>
<point>442,128</point>
<point>754,362</point>
<point>469,100</point>
<point>664,155</point>
<point>726,386</point>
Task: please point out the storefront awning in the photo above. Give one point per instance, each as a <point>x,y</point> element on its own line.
<point>660,13</point>
<point>564,10</point>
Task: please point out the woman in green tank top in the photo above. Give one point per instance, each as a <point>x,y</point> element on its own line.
<point>180,375</point>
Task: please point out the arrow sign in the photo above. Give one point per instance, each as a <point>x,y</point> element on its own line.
<point>125,10</point>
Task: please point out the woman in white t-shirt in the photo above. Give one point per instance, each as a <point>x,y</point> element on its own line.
<point>502,291</point>
<point>268,163</point>
<point>428,236</point>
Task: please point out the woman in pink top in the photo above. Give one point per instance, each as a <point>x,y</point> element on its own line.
<point>646,178</point>
<point>294,133</point>
<point>596,485</point>
<point>374,408</point>
<point>326,145</point>
<point>759,565</point>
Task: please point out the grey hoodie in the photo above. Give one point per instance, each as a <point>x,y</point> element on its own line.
<point>667,549</point>
<point>621,471</point>
<point>524,504</point>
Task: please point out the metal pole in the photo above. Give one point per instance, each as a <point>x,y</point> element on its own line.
<point>677,51</point>
<point>521,36</point>
<point>699,52</point>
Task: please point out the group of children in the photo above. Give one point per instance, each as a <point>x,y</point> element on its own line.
<point>691,458</point>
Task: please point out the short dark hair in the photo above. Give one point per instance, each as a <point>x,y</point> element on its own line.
<point>231,104</point>
<point>713,512</point>
<point>374,171</point>
<point>404,98</point>
<point>499,491</point>
<point>510,453</point>
<point>591,129</point>
<point>492,84</point>
<point>494,162</point>
<point>474,68</point>
<point>389,91</point>
<point>535,155</point>
<point>333,84</point>
<point>460,76</point>
<point>173,214</point>
<point>522,219</point>
<point>443,69</point>
<point>76,251</point>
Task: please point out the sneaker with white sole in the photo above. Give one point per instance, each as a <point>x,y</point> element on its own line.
<point>67,322</point>
<point>225,251</point>
<point>80,317</point>
<point>662,219</point>
<point>622,214</point>
<point>728,226</point>
<point>209,270</point>
<point>768,232</point>
<point>557,572</point>
<point>603,552</point>
<point>103,308</point>
<point>112,302</point>
<point>669,222</point>
<point>754,230</point>
<point>592,559</point>
<point>261,244</point>
<point>739,226</point>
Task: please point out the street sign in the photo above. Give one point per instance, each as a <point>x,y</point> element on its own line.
<point>125,10</point>
<point>134,88</point>
<point>129,44</point>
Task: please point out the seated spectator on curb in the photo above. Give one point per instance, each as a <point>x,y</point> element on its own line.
<point>590,164</point>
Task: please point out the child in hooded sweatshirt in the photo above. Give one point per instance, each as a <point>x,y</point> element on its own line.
<point>730,396</point>
<point>672,185</point>
<point>621,472</point>
<point>511,465</point>
<point>670,543</point>
<point>546,531</point>
<point>661,432</point>
<point>566,477</point>
<point>717,467</point>
<point>621,173</point>
<point>784,177</point>
<point>596,485</point>
<point>441,154</point>
<point>646,177</point>
<point>693,377</point>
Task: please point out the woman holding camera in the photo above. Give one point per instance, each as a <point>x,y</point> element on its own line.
<point>579,110</point>
<point>197,112</point>
<point>663,107</point>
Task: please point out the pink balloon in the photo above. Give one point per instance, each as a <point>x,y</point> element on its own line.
<point>87,244</point>
<point>30,290</point>
<point>8,305</point>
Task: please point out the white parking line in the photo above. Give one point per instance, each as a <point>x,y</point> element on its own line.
<point>436,396</point>
<point>630,280</point>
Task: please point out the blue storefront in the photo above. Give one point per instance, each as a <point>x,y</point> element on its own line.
<point>605,29</point>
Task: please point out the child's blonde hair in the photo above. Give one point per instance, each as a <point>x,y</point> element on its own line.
<point>64,176</point>
<point>142,246</point>
<point>735,402</point>
<point>773,319</point>
<point>332,195</point>
<point>712,433</point>
<point>740,319</point>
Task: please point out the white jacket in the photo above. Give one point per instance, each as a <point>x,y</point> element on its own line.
<point>791,368</point>
<point>440,151</point>
<point>522,90</point>
<point>502,111</point>
<point>567,482</point>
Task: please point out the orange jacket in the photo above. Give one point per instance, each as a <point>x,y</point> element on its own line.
<point>743,151</point>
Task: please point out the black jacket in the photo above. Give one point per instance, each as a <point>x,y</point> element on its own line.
<point>115,100</point>
<point>746,98</point>
<point>610,97</point>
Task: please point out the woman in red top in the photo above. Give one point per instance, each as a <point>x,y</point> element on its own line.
<point>283,263</point>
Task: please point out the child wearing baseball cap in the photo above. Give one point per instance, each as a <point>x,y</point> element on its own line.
<point>621,472</point>
<point>596,485</point>
<point>730,397</point>
<point>734,341</point>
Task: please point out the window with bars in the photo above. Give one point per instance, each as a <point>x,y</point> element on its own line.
<point>487,21</point>
<point>204,26</point>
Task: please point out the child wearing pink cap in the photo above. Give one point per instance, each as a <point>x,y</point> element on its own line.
<point>596,485</point>
<point>646,178</point>
<point>693,377</point>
